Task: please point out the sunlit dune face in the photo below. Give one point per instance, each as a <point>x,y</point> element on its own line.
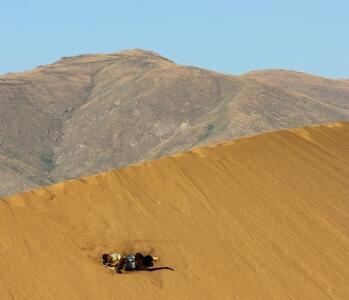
<point>264,217</point>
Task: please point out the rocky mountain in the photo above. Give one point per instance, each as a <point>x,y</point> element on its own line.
<point>90,113</point>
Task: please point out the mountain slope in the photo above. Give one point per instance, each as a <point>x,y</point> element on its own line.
<point>263,217</point>
<point>91,113</point>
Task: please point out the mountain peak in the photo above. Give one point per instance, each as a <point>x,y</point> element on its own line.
<point>89,113</point>
<point>141,52</point>
<point>90,57</point>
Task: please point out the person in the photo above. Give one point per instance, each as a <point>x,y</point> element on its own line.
<point>110,260</point>
<point>131,262</point>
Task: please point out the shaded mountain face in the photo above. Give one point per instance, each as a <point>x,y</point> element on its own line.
<point>90,113</point>
<point>262,217</point>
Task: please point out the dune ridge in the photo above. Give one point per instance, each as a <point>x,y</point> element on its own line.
<point>262,217</point>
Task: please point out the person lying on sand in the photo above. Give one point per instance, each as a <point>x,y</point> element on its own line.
<point>138,261</point>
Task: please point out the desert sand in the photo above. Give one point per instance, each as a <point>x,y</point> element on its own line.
<point>263,217</point>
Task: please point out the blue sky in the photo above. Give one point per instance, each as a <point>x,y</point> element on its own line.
<point>227,36</point>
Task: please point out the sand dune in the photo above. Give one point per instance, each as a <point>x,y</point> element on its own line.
<point>264,217</point>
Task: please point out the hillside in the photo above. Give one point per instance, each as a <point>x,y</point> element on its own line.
<point>90,113</point>
<point>262,217</point>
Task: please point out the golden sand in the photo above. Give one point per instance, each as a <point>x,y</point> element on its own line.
<point>264,217</point>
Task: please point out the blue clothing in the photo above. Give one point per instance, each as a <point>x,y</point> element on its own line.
<point>130,263</point>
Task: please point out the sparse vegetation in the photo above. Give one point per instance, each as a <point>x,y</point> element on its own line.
<point>48,159</point>
<point>208,130</point>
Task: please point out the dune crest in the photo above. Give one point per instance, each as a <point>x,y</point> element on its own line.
<point>263,217</point>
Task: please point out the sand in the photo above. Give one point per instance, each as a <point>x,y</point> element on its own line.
<point>264,217</point>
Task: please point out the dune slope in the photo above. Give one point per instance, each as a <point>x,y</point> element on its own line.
<point>264,217</point>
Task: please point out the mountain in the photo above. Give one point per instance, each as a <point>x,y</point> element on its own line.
<point>90,113</point>
<point>262,217</point>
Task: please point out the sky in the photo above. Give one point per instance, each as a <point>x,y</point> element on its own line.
<point>232,37</point>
